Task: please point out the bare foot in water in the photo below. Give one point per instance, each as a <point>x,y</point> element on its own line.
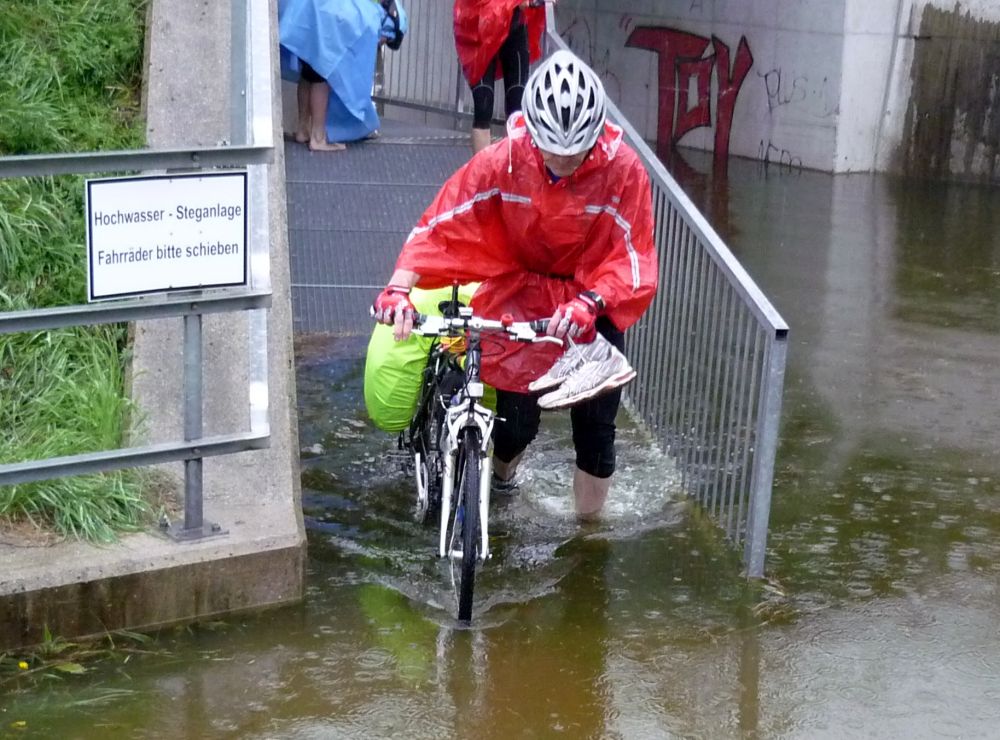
<point>324,146</point>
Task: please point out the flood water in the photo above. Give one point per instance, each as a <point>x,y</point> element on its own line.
<point>880,616</point>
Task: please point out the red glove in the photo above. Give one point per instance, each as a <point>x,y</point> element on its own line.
<point>575,319</point>
<point>392,300</point>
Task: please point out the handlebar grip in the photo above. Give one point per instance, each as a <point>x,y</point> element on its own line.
<point>539,325</point>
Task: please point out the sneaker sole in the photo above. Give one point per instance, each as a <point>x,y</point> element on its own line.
<point>537,386</point>
<point>615,381</point>
<point>534,386</point>
<point>543,384</point>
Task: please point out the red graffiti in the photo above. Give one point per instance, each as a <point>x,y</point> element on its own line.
<point>683,63</point>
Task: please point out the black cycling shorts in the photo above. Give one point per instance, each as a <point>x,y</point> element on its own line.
<point>309,74</point>
<point>514,62</point>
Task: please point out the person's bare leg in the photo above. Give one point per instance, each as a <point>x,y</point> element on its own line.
<point>302,96</point>
<point>481,138</point>
<point>589,494</point>
<point>319,96</point>
<point>506,471</point>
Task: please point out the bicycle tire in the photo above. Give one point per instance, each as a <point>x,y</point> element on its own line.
<point>435,466</point>
<point>424,443</point>
<point>469,489</point>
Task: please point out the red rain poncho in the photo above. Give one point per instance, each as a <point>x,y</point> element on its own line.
<point>535,244</point>
<point>481,27</point>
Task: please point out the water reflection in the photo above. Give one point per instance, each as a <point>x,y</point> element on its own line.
<point>879,618</point>
<point>890,420</point>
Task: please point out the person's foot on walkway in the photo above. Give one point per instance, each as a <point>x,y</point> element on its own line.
<point>302,137</point>
<point>325,146</point>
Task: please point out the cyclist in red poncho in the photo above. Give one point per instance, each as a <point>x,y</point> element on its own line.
<point>556,222</point>
<point>496,38</point>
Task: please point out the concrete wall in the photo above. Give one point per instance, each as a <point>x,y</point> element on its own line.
<point>836,85</point>
<point>946,117</point>
<point>253,495</point>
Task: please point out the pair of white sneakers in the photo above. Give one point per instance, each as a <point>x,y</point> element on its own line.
<point>581,372</point>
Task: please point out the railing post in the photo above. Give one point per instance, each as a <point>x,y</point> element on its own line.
<point>769,416</point>
<point>459,80</point>
<point>239,98</point>
<point>193,403</point>
<point>194,527</point>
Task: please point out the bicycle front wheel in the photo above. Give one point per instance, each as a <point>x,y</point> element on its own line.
<point>469,491</point>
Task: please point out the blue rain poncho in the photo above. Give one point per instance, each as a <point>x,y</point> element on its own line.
<point>339,39</point>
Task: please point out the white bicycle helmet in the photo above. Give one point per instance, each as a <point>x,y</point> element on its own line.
<point>564,105</point>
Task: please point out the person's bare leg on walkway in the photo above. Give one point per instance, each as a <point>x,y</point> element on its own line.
<point>481,138</point>
<point>589,494</point>
<point>319,96</point>
<point>302,97</point>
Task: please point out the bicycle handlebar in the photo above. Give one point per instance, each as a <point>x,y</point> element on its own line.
<point>517,331</point>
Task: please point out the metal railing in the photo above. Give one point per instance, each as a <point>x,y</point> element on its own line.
<point>710,350</point>
<point>252,147</point>
<point>710,354</point>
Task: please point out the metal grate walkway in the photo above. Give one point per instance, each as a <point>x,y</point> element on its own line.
<point>349,212</point>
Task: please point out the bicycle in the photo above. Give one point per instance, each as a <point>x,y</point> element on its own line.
<point>449,435</point>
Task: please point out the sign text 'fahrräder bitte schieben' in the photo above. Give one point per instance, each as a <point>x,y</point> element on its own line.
<point>166,233</point>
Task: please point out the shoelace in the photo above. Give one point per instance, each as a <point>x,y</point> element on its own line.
<point>571,358</point>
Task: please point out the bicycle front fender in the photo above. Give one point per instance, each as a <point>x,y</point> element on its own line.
<point>459,418</point>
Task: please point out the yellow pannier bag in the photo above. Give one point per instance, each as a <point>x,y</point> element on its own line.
<point>393,370</point>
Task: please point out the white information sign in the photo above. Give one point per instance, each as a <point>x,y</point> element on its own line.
<point>163,233</point>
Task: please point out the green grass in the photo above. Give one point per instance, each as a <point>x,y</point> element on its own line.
<point>70,77</point>
<point>71,82</point>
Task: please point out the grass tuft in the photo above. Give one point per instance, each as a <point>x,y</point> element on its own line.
<point>72,75</point>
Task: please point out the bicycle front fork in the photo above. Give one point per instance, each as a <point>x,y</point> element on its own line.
<point>448,490</point>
